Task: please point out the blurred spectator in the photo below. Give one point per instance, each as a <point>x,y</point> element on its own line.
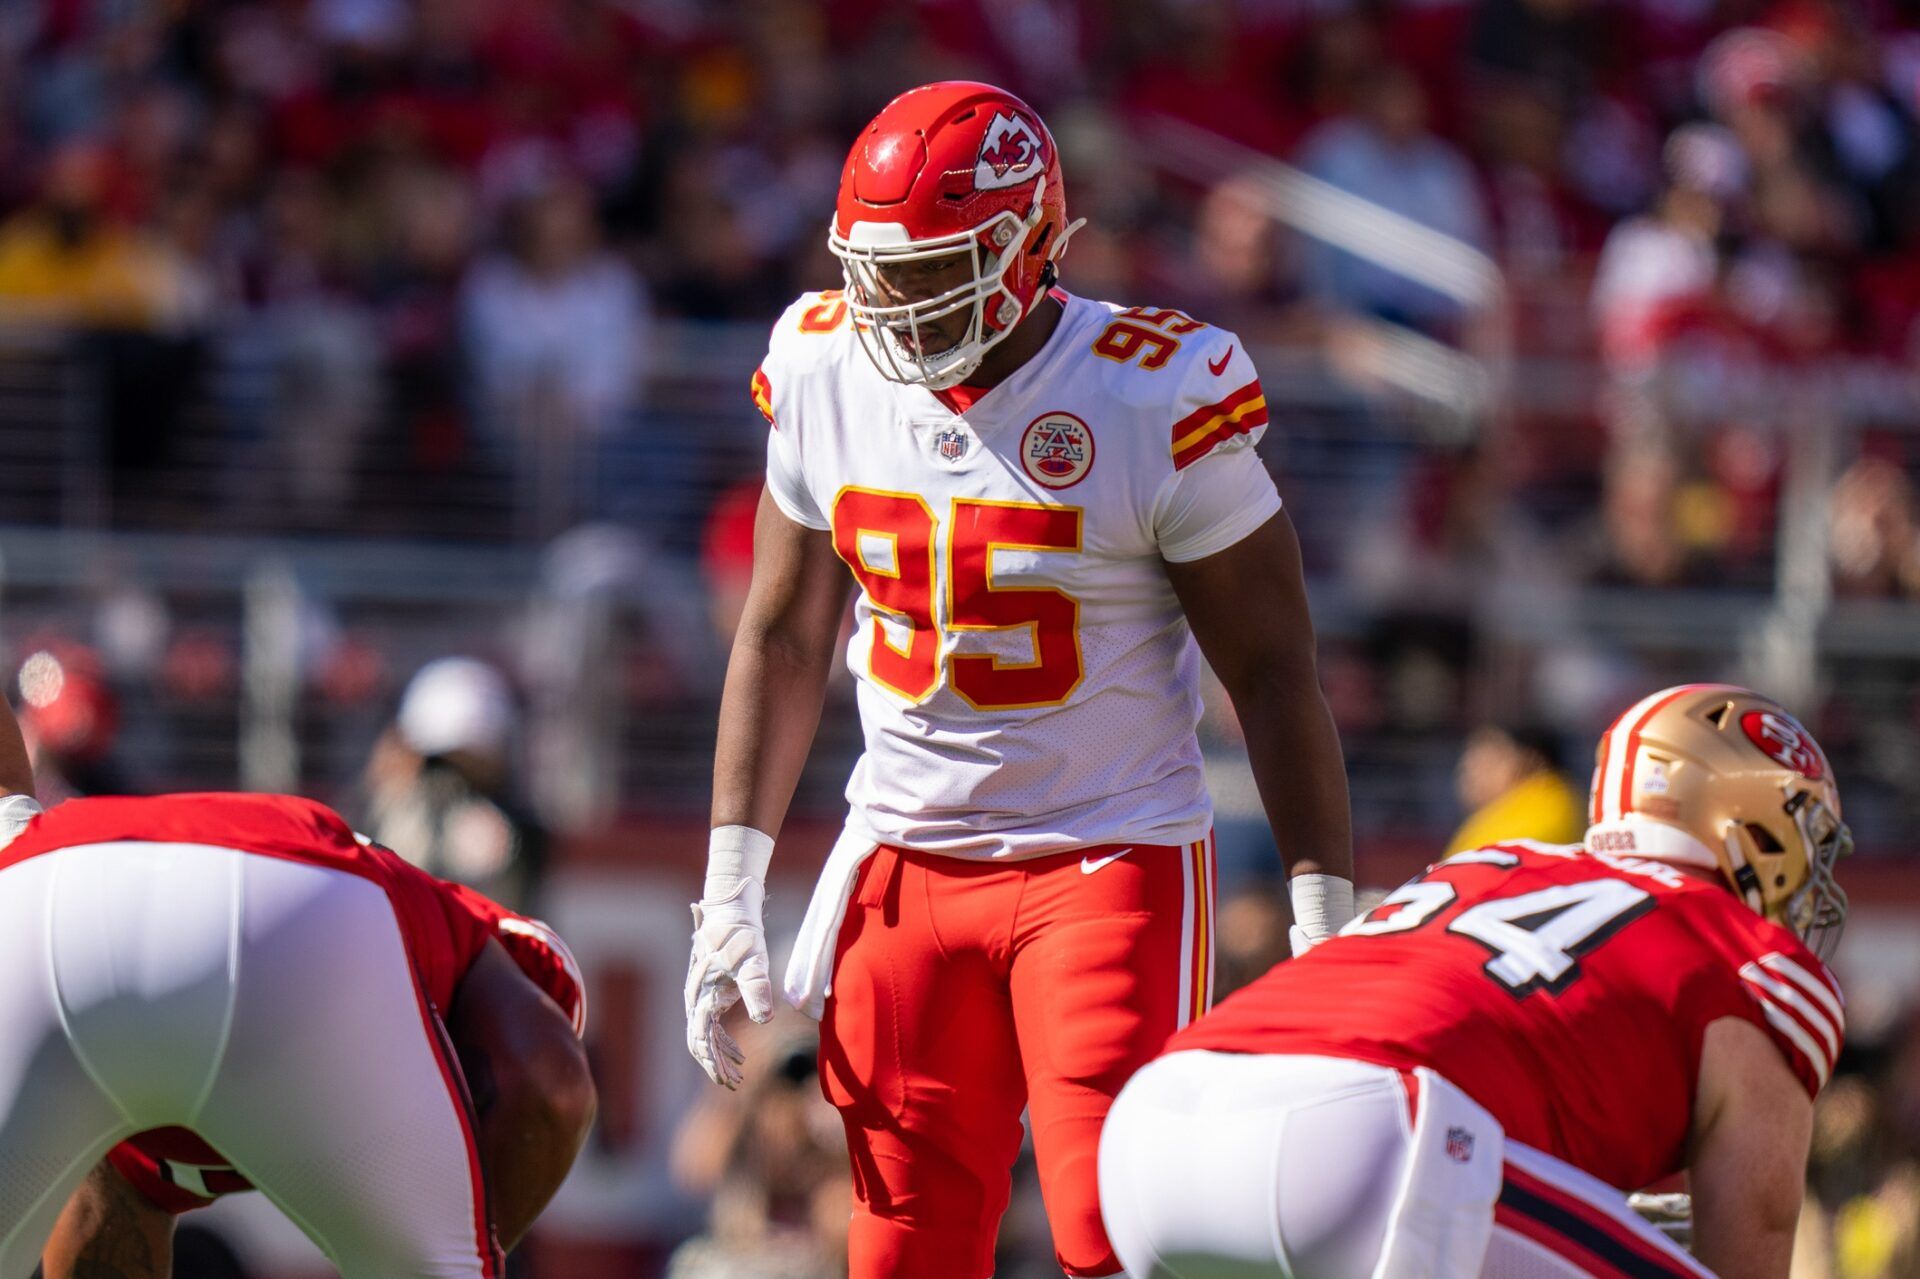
<point>1876,532</point>
<point>773,1158</point>
<point>71,721</point>
<point>556,325</point>
<point>726,557</point>
<point>438,788</point>
<point>1510,785</point>
<point>69,259</point>
<point>1668,260</point>
<point>1384,153</point>
<point>1637,538</point>
<point>318,353</point>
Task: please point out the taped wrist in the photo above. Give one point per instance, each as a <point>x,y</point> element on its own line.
<point>736,855</point>
<point>1322,904</point>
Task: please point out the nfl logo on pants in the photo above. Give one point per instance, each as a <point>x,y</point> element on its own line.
<point>1459,1145</point>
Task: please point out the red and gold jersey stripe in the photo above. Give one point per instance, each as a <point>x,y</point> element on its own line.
<point>1201,431</point>
<point>763,396</point>
<point>1200,978</point>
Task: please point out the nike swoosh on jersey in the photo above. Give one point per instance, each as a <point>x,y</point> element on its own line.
<point>1217,368</point>
<point>1090,864</point>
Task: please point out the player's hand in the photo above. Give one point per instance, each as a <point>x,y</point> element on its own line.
<point>729,965</point>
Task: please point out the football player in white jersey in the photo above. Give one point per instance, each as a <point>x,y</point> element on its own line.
<point>1044,501</point>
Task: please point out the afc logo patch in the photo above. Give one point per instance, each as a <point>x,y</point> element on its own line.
<point>1782,740</point>
<point>1056,450</point>
<point>951,444</point>
<point>1459,1145</point>
<point>1009,154</point>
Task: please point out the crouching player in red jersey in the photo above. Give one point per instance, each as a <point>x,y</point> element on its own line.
<point>1470,1077</point>
<point>218,992</point>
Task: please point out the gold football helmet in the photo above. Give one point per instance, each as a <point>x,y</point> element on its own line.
<point>1718,777</point>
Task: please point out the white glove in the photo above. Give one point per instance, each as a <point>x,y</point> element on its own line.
<point>1322,905</point>
<point>15,812</point>
<point>729,962</point>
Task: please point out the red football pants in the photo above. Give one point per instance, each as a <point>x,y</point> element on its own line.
<point>964,992</point>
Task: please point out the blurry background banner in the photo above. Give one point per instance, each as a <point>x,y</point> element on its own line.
<point>338,339</point>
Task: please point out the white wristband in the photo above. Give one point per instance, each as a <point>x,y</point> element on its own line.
<point>1322,904</point>
<point>15,812</point>
<point>735,854</point>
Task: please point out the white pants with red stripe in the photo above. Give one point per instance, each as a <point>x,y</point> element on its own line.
<point>1232,1166</point>
<point>268,1006</point>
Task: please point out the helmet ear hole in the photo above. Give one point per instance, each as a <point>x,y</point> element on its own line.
<point>1763,840</point>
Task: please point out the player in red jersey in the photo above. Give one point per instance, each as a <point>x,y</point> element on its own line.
<point>217,992</point>
<point>1470,1078</point>
<point>1052,508</point>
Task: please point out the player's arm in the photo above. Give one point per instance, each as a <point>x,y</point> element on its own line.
<point>769,710</point>
<point>16,771</point>
<point>1247,605</point>
<point>1753,1122</point>
<point>108,1230</point>
<point>777,677</point>
<point>532,1089</point>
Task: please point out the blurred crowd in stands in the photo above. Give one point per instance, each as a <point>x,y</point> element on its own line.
<point>497,270</point>
<point>452,224</point>
<point>332,264</point>
<point>328,264</point>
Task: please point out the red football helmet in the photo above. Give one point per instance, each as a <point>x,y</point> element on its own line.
<point>947,169</point>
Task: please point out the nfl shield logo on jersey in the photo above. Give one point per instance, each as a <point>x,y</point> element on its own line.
<point>1057,450</point>
<point>1459,1145</point>
<point>951,444</point>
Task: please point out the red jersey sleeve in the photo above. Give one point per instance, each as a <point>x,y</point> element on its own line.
<point>1800,1008</point>
<point>174,1170</point>
<point>443,936</point>
<point>1779,986</point>
<point>535,947</point>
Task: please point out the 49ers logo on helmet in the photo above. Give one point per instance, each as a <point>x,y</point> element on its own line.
<point>1785,742</point>
<point>1009,154</point>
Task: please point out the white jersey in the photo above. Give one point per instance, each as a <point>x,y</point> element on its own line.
<point>1027,680</point>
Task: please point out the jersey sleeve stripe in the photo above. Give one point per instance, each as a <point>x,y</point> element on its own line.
<point>763,396</point>
<point>1783,1021</point>
<point>1783,993</point>
<point>1822,990</point>
<point>1198,433</point>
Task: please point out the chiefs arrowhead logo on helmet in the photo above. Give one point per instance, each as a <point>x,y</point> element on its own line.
<point>1785,742</point>
<point>1009,154</point>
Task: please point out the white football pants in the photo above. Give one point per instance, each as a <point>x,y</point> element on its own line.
<point>267,1005</point>
<point>1243,1166</point>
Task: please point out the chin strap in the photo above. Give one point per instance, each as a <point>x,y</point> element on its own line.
<point>1746,881</point>
<point>1060,245</point>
